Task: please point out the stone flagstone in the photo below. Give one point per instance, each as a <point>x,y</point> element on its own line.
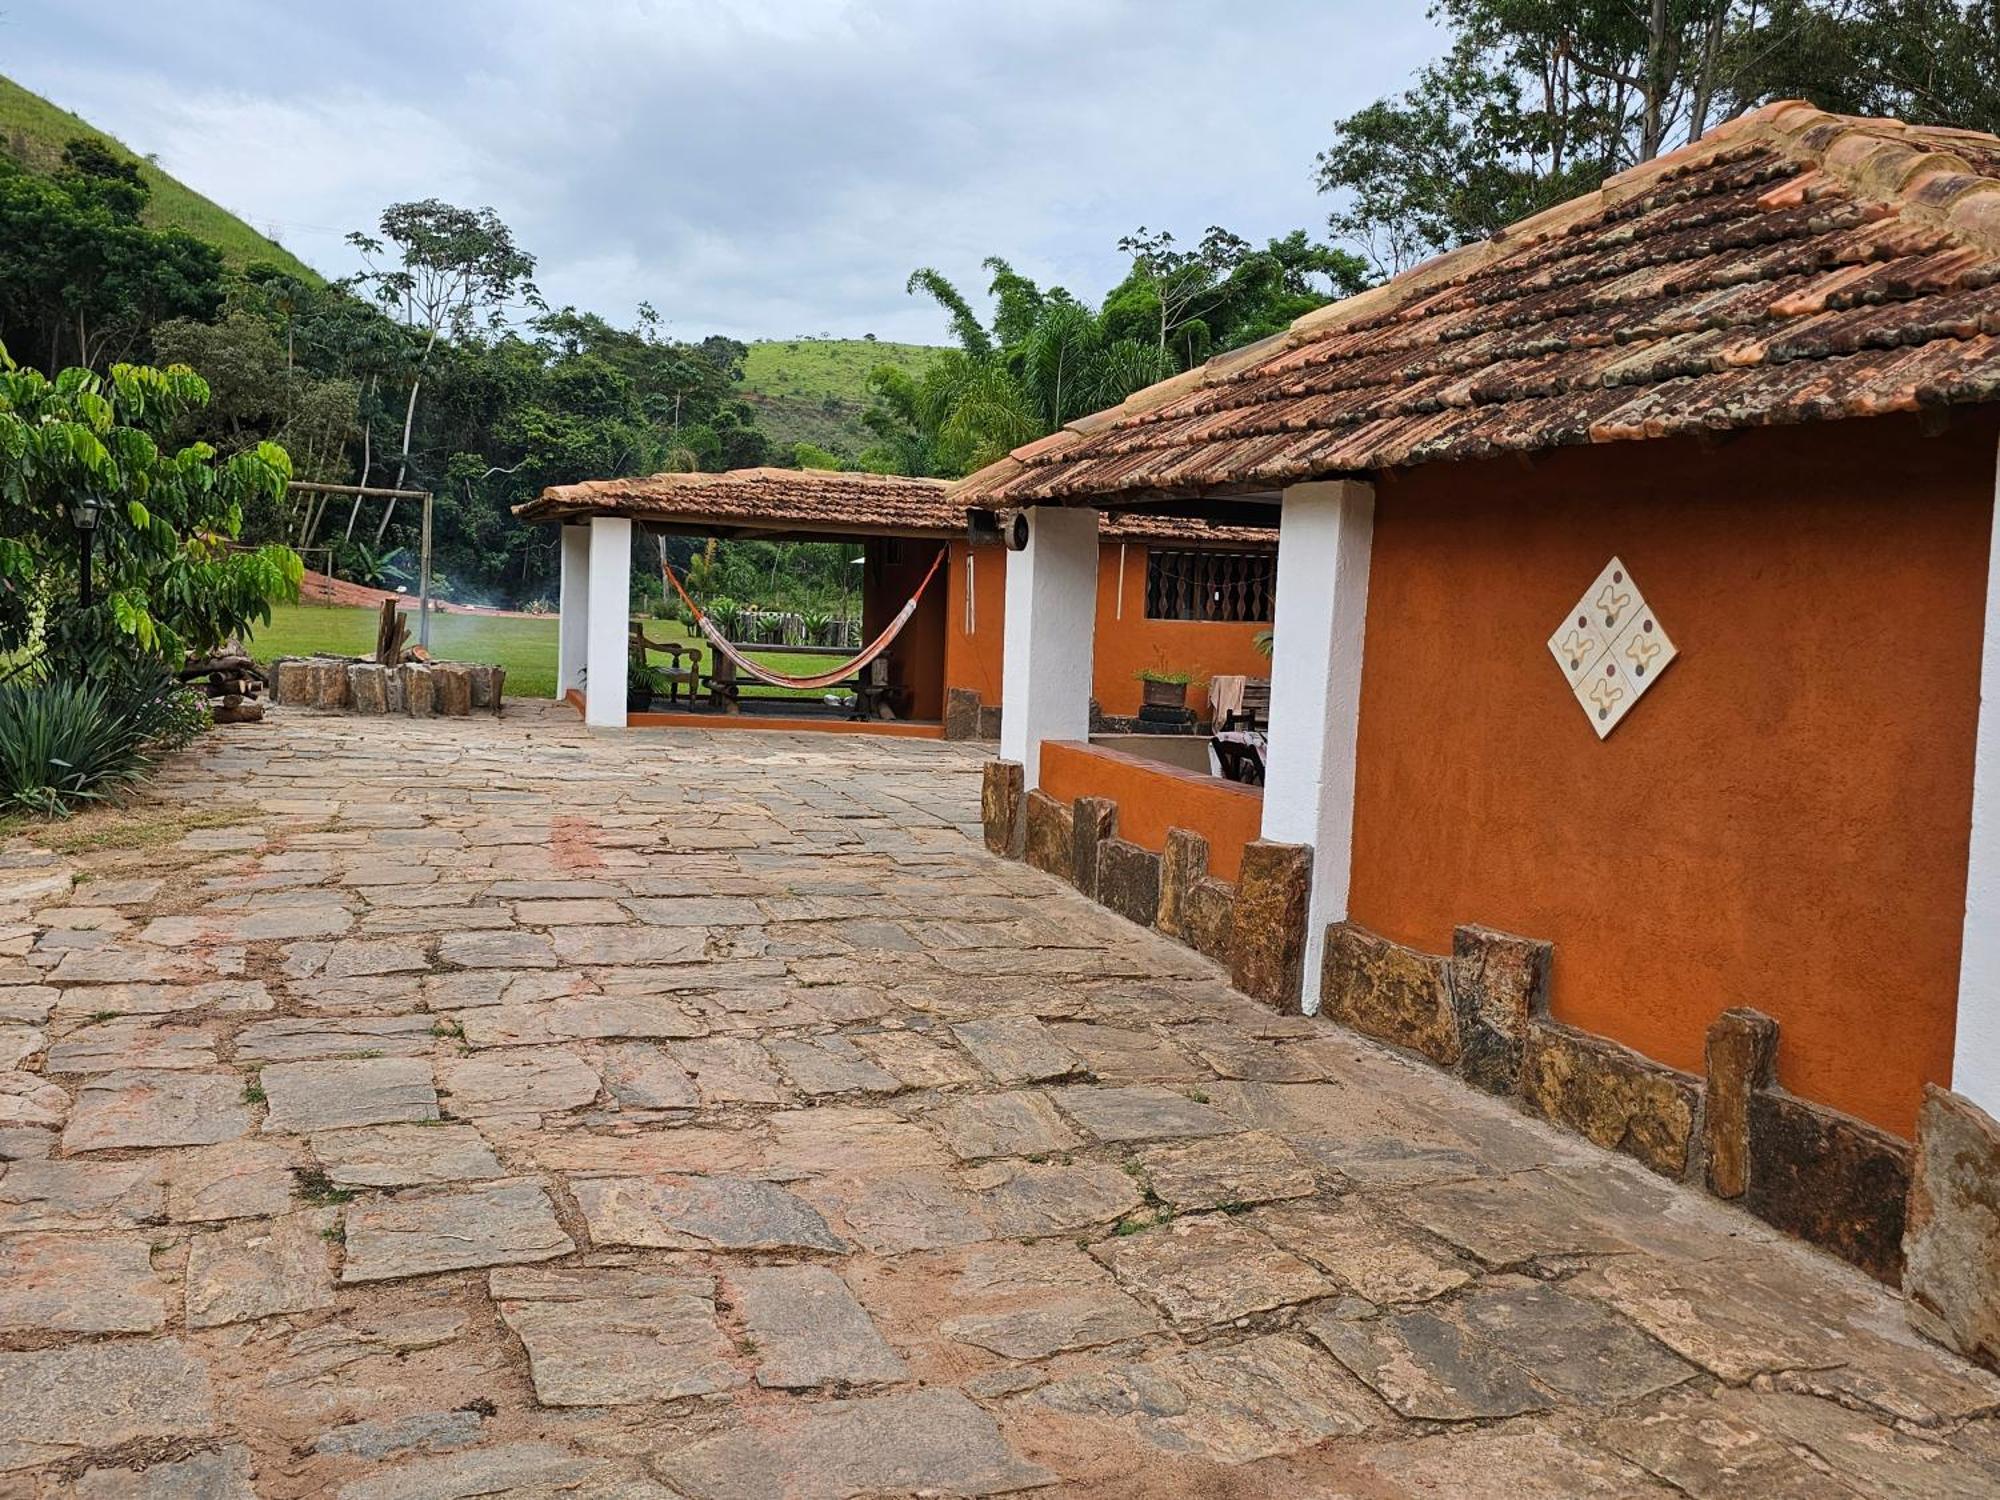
<point>615,1337</point>
<point>73,1195</point>
<point>216,1474</point>
<point>306,1096</point>
<point>1426,1366</point>
<point>685,1213</point>
<point>1016,1049</point>
<point>1209,1270</point>
<point>260,1268</point>
<point>930,1440</point>
<point>299,1038</point>
<point>151,1107</point>
<point>643,1076</point>
<point>1258,1399</point>
<point>819,1065</point>
<point>508,1223</point>
<point>518,1081</point>
<point>385,1156</point>
<point>54,1402</point>
<point>1141,1113</point>
<point>1383,1261</point>
<point>235,1180</point>
<point>1019,1124</point>
<point>1255,1167</point>
<point>69,1283</point>
<point>808,1329</point>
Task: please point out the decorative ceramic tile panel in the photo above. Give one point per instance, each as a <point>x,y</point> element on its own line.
<point>1611,647</point>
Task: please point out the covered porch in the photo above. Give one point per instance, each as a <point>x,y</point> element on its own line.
<point>900,530</point>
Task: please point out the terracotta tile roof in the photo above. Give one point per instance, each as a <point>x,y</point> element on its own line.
<point>1791,266</point>
<point>805,501</point>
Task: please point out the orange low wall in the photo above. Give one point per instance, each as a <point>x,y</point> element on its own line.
<point>1781,823</point>
<point>1126,643</point>
<point>1153,797</point>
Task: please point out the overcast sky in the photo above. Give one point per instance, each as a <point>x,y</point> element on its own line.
<point>761,168</point>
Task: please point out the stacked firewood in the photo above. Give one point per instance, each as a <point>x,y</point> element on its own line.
<point>230,682</point>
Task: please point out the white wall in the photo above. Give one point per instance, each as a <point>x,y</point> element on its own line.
<point>1975,1068</point>
<point>573,609</point>
<point>1050,634</point>
<point>608,637</point>
<point>1325,534</point>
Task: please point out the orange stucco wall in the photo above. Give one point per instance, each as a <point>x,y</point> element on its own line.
<point>1123,646</point>
<point>1781,822</point>
<point>1152,798</point>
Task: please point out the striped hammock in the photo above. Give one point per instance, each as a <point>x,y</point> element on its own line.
<point>766,674</point>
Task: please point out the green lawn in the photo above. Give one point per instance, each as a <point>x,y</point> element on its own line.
<point>526,648</point>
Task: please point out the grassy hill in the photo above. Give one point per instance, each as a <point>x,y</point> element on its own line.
<point>34,131</point>
<point>814,390</point>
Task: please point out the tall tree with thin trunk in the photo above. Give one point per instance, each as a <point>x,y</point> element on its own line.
<point>454,268</point>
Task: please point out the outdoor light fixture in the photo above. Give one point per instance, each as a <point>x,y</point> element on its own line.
<point>83,513</point>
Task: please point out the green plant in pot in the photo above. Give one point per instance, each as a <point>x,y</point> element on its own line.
<point>640,685</point>
<point>1164,687</point>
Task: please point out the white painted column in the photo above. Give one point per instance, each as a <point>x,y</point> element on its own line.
<point>1051,627</point>
<point>1325,533</point>
<point>1975,1066</point>
<point>608,636</point>
<point>573,608</point>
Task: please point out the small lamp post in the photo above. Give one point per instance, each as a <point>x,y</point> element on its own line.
<point>83,513</point>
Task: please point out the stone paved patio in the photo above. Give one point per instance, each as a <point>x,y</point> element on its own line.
<point>484,1108</point>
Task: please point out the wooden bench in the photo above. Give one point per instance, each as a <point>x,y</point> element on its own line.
<point>681,676</point>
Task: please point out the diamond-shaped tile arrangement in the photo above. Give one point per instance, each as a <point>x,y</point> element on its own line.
<point>1611,647</point>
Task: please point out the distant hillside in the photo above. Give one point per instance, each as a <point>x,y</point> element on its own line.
<point>34,131</point>
<point>814,390</point>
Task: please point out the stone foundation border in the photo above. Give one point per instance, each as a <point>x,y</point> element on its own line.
<point>340,684</point>
<point>1925,1217</point>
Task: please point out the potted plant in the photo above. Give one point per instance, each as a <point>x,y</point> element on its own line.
<point>639,685</point>
<point>1162,687</point>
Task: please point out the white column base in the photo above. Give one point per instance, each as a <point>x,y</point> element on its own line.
<point>607,637</point>
<point>1326,532</point>
<point>1051,626</point>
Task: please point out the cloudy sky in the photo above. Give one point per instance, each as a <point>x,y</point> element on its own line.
<point>762,168</point>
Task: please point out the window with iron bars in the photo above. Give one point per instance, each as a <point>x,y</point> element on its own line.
<point>1230,586</point>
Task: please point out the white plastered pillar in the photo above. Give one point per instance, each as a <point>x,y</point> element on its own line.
<point>608,633</point>
<point>1051,625</point>
<point>573,608</point>
<point>1325,533</point>
<point>1975,1068</point>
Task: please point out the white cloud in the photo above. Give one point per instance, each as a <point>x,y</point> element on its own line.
<point>763,168</point>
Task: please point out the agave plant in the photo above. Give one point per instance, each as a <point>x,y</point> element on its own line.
<point>65,742</point>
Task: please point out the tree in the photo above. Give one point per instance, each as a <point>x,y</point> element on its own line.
<point>454,265</point>
<point>168,579</point>
<point>1538,101</point>
<point>80,277</point>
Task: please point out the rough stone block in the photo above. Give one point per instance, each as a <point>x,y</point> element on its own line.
<point>1093,820</point>
<point>393,691</point>
<point>1000,806</point>
<point>1051,845</point>
<point>367,688</point>
<point>1209,917</point>
<point>499,690</point>
<point>1951,1242</point>
<point>1268,946</point>
<point>419,690</point>
<point>328,684</point>
<point>1128,878</point>
<point>1392,993</point>
<point>1499,982</point>
<point>291,681</point>
<point>453,681</point>
<point>1829,1178</point>
<point>989,721</point>
<point>480,678</point>
<point>1742,1057</point>
<point>1182,866</point>
<point>961,714</point>
<point>1611,1095</point>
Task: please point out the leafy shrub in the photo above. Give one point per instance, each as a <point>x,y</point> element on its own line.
<point>65,742</point>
